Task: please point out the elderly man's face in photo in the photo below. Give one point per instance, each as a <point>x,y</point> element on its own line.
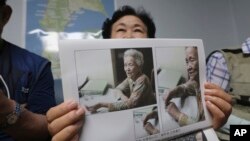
<point>192,63</point>
<point>130,67</point>
<point>129,27</point>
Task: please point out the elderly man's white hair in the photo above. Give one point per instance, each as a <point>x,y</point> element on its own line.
<point>139,60</point>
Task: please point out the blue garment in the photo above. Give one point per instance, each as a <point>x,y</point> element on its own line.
<point>29,79</point>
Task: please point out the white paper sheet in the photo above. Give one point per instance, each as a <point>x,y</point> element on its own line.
<point>97,59</point>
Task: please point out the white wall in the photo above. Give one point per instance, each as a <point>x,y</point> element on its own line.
<point>14,31</point>
<point>241,13</point>
<point>171,58</point>
<point>96,64</point>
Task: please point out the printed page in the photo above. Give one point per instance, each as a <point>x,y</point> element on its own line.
<point>136,89</point>
<point>210,134</point>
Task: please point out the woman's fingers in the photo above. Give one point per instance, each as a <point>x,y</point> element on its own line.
<point>221,104</point>
<point>214,90</point>
<point>60,110</point>
<point>66,120</point>
<point>70,133</point>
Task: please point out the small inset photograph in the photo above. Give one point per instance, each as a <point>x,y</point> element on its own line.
<point>115,79</point>
<point>146,121</point>
<point>179,87</point>
<point>196,136</point>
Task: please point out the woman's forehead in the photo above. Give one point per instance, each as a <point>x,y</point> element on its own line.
<point>129,20</point>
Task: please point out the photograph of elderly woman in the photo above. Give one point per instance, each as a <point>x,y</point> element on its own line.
<point>115,79</point>
<point>179,87</point>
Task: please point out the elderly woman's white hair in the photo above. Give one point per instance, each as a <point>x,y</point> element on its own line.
<point>137,55</point>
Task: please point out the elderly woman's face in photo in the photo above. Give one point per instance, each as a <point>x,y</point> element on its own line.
<point>129,27</point>
<point>130,67</point>
<point>192,62</point>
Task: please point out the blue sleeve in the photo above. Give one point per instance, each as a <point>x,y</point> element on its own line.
<point>41,97</point>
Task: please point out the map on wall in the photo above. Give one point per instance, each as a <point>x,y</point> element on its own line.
<point>50,20</point>
<point>47,21</point>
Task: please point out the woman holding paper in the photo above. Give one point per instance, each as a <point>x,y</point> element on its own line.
<point>129,23</point>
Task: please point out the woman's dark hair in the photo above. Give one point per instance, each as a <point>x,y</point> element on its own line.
<point>2,2</point>
<point>128,10</point>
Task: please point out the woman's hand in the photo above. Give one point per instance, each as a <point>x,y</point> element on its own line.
<point>178,91</point>
<point>94,108</point>
<point>65,121</point>
<point>219,104</point>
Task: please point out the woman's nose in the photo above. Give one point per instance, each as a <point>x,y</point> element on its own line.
<point>189,66</point>
<point>127,69</point>
<point>128,34</point>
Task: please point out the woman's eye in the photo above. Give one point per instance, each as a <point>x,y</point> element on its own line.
<point>138,30</point>
<point>120,30</point>
<point>192,60</point>
<point>128,65</point>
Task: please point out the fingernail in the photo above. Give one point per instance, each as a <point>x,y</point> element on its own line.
<point>209,103</point>
<point>71,103</point>
<point>80,111</point>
